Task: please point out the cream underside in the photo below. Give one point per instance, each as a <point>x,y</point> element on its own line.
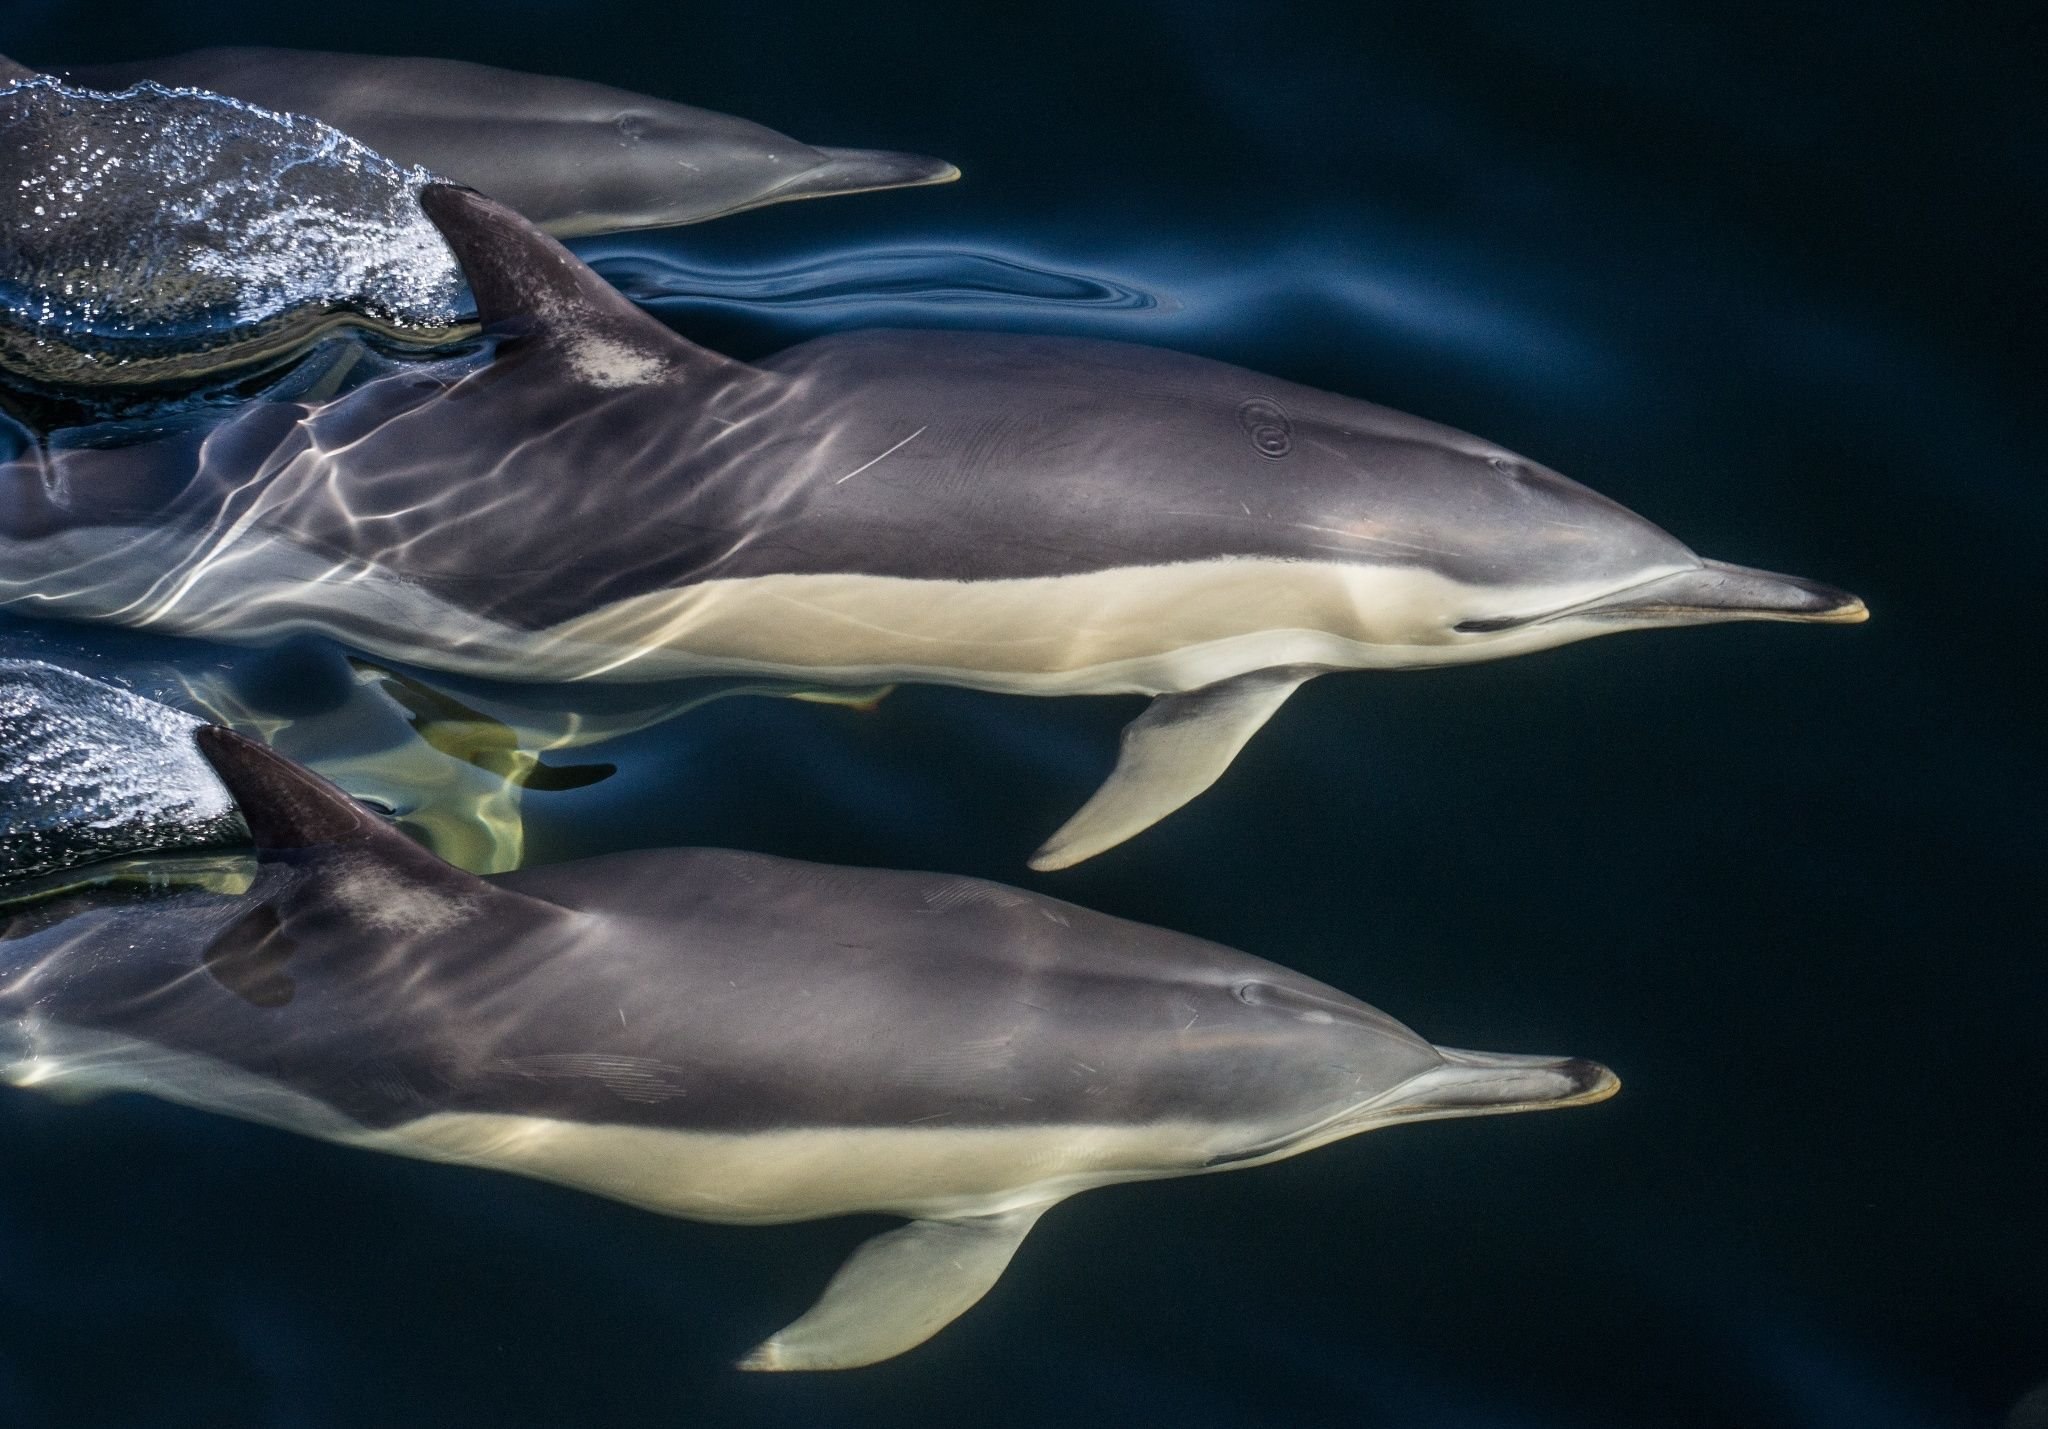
<point>930,1172</point>
<point>1140,629</point>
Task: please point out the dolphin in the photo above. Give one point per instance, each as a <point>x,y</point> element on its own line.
<point>595,498</point>
<point>722,1036</point>
<point>576,158</point>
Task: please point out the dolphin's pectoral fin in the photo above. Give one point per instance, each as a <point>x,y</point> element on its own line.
<point>1177,748</point>
<point>555,778</point>
<point>897,1291</point>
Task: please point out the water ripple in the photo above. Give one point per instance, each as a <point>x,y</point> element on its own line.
<point>878,277</point>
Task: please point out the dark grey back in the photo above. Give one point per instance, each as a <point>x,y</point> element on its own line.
<point>705,990</point>
<point>508,490</point>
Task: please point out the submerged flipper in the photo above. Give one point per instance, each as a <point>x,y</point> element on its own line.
<point>473,737</point>
<point>1177,748</point>
<point>897,1291</point>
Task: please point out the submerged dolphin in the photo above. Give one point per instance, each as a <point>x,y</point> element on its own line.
<point>574,157</point>
<point>600,499</point>
<point>724,1036</point>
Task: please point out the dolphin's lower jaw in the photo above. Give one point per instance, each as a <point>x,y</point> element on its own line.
<point>852,171</point>
<point>1705,594</point>
<point>1715,591</point>
<point>848,171</point>
<point>1487,1084</point>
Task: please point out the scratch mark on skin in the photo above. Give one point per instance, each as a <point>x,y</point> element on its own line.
<point>841,481</point>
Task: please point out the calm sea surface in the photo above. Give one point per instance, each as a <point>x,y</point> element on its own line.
<point>1769,275</point>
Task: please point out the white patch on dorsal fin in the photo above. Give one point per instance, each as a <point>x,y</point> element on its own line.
<point>526,281</point>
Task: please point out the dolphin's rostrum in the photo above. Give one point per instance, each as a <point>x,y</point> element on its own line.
<point>723,1036</point>
<point>599,499</point>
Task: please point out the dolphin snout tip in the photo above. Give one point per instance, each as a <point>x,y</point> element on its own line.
<point>1588,1081</point>
<point>1850,611</point>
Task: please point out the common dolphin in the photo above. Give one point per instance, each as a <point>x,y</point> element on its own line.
<point>598,498</point>
<point>574,157</point>
<point>723,1036</point>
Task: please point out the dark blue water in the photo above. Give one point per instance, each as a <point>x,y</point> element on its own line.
<point>1767,274</point>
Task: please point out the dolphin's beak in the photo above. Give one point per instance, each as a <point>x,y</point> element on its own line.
<point>1714,591</point>
<point>1486,1083</point>
<point>853,171</point>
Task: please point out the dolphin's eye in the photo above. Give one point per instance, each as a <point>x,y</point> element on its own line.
<point>1308,1006</point>
<point>631,126</point>
<point>1509,468</point>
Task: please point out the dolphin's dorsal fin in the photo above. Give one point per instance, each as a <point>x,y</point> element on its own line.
<point>290,809</point>
<point>527,284</point>
<point>286,807</point>
<point>10,72</point>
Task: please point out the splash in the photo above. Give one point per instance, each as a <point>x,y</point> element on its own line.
<point>90,773</point>
<point>159,235</point>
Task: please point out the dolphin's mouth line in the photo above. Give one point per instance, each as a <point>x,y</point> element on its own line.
<point>1705,593</point>
<point>1492,624</point>
<point>1586,1083</point>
